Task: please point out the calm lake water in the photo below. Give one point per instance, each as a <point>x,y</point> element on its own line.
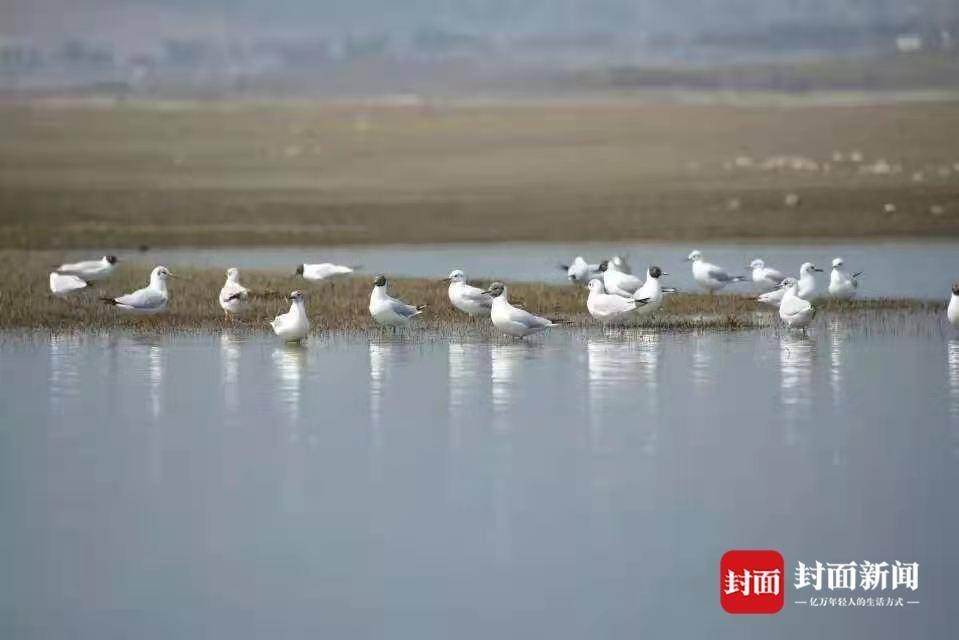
<point>581,485</point>
<point>892,269</point>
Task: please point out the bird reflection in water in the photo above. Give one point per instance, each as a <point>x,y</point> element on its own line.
<point>796,356</point>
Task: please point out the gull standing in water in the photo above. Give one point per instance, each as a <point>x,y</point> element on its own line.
<point>841,284</point>
<point>471,300</point>
<point>389,311</point>
<point>952,311</point>
<point>607,306</point>
<point>806,285</point>
<point>775,297</point>
<point>89,270</point>
<point>511,320</point>
<point>579,270</point>
<point>650,295</point>
<point>765,278</point>
<point>234,297</point>
<point>149,300</point>
<point>294,325</point>
<point>795,311</point>
<point>709,276</point>
<point>62,285</point>
<point>617,282</point>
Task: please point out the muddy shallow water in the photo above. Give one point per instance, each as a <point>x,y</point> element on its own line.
<point>582,485</point>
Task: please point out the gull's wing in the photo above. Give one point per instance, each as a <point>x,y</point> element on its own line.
<point>145,298</point>
<point>72,267</point>
<point>477,295</point>
<point>232,291</point>
<point>402,309</point>
<point>773,276</point>
<point>615,304</point>
<point>716,273</point>
<point>524,317</point>
<point>65,283</point>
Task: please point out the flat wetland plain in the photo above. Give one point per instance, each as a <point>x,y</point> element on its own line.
<point>107,173</point>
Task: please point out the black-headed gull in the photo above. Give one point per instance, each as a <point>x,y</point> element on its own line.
<point>89,270</point>
<point>324,272</point>
<point>149,300</point>
<point>842,284</point>
<point>607,306</point>
<point>710,276</point>
<point>650,295</point>
<point>806,285</point>
<point>795,311</point>
<point>765,278</point>
<point>294,325</point>
<point>471,300</point>
<point>511,320</point>
<point>389,311</point>
<point>234,297</point>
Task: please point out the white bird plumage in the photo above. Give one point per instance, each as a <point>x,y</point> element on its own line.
<point>62,285</point>
<point>709,276</point>
<point>511,320</point>
<point>607,306</point>
<point>471,300</point>
<point>618,282</point>
<point>952,311</point>
<point>149,300</point>
<point>389,311</point>
<point>323,271</point>
<point>765,278</point>
<point>234,297</point>
<point>796,312</point>
<point>842,285</point>
<point>806,284</point>
<point>579,270</point>
<point>90,270</point>
<point>650,295</point>
<point>294,325</point>
<point>775,297</point>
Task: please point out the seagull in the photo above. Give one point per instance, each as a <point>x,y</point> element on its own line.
<point>89,270</point>
<point>607,306</point>
<point>511,320</point>
<point>795,311</point>
<point>650,295</point>
<point>149,300</point>
<point>775,297</point>
<point>324,271</point>
<point>471,300</point>
<point>579,270</point>
<point>619,263</point>
<point>293,325</point>
<point>389,311</point>
<point>765,278</point>
<point>62,285</point>
<point>807,281</point>
<point>841,284</point>
<point>952,311</point>
<point>618,282</point>
<point>708,275</point>
<point>234,297</point>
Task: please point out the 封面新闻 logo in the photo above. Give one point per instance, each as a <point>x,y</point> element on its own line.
<point>752,581</point>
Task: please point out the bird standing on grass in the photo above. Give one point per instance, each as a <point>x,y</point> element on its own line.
<point>294,325</point>
<point>806,286</point>
<point>389,311</point>
<point>234,297</point>
<point>471,300</point>
<point>842,285</point>
<point>710,277</point>
<point>89,270</point>
<point>149,300</point>
<point>511,320</point>
<point>765,278</point>
<point>650,295</point>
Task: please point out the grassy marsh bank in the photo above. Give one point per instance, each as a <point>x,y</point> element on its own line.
<point>26,302</point>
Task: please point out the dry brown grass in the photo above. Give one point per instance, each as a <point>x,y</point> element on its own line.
<point>26,303</point>
<point>230,173</point>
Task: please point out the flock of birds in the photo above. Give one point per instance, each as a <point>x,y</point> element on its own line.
<point>615,293</point>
